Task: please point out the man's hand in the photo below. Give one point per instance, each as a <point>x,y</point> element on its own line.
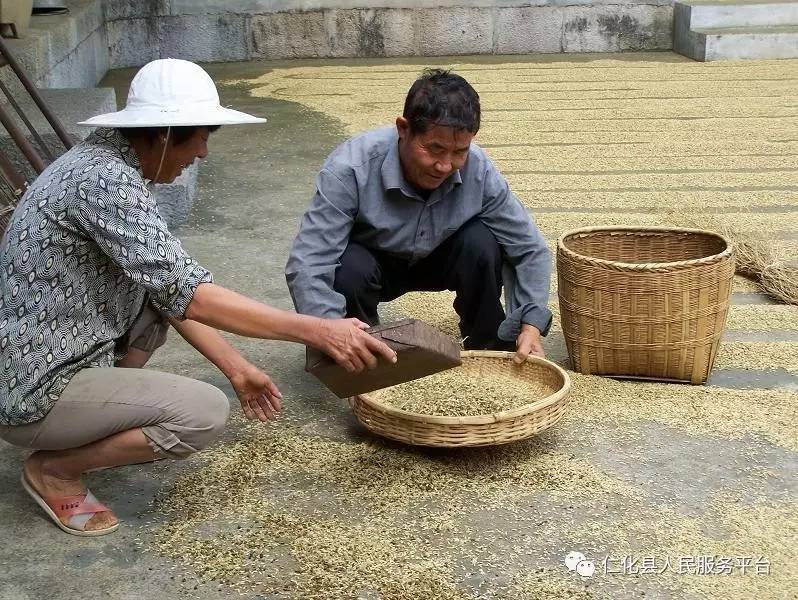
<point>528,343</point>
<point>260,398</point>
<point>346,342</point>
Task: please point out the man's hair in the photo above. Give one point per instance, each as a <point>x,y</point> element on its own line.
<point>440,97</point>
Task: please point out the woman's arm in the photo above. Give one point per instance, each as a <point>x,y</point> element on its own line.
<point>211,345</point>
<point>133,235</point>
<point>259,396</point>
<point>342,339</point>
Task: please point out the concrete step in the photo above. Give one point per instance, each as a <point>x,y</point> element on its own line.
<point>734,43</point>
<point>741,13</point>
<point>64,51</point>
<point>735,29</point>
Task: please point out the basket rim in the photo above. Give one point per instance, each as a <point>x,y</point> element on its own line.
<point>498,417</point>
<point>654,266</point>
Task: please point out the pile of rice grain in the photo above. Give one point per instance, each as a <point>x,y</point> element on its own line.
<point>463,392</point>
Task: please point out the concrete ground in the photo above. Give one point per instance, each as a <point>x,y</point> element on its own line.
<point>629,489</point>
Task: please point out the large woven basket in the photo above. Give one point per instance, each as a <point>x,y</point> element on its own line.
<point>646,303</point>
<point>483,430</point>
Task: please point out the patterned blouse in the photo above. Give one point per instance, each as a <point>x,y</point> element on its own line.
<point>84,250</point>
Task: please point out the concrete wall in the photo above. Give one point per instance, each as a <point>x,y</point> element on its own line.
<point>65,51</point>
<point>273,29</point>
<point>76,50</point>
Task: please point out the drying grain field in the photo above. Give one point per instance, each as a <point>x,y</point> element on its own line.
<point>672,477</point>
<point>672,491</point>
<point>672,473</point>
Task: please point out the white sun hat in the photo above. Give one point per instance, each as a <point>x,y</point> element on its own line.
<point>172,93</point>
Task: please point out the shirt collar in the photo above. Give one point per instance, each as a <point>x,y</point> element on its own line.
<point>454,179</point>
<point>394,179</point>
<point>117,141</point>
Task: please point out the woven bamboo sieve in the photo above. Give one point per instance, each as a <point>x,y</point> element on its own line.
<point>647,303</point>
<point>483,430</point>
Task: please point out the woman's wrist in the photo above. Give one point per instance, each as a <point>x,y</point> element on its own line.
<point>233,364</point>
<point>311,331</point>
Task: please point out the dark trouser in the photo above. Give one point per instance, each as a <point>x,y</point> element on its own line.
<point>468,263</point>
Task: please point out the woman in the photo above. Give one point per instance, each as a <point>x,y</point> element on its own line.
<point>91,280</point>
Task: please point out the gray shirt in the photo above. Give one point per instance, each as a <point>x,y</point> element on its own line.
<point>85,248</point>
<point>361,195</point>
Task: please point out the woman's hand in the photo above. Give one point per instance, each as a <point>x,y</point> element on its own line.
<point>259,396</point>
<point>346,342</point>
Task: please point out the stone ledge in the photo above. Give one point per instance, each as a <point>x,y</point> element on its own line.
<point>280,29</point>
<point>256,7</point>
<point>338,33</point>
<point>736,31</point>
<point>204,38</point>
<point>76,50</point>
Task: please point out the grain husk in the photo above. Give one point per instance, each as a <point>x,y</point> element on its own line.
<point>461,392</point>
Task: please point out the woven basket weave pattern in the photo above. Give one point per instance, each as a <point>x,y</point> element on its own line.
<point>483,430</point>
<point>648,303</point>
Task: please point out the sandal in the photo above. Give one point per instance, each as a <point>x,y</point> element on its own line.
<point>79,510</point>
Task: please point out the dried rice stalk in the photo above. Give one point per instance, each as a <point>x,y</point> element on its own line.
<point>780,280</point>
<point>755,254</point>
<point>752,255</point>
<point>755,258</point>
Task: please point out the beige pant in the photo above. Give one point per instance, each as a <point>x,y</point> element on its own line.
<point>178,415</point>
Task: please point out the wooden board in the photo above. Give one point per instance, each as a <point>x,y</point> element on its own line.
<point>421,350</point>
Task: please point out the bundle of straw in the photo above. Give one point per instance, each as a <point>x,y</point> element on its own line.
<point>755,259</point>
<point>780,280</point>
<point>754,255</point>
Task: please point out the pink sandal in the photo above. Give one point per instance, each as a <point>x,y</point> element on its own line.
<point>79,510</point>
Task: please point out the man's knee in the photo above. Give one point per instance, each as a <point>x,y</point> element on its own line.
<point>479,247</point>
<point>359,271</point>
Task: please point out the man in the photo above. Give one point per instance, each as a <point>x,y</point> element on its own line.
<point>419,207</point>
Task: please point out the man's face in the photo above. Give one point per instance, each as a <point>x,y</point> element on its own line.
<point>429,158</point>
